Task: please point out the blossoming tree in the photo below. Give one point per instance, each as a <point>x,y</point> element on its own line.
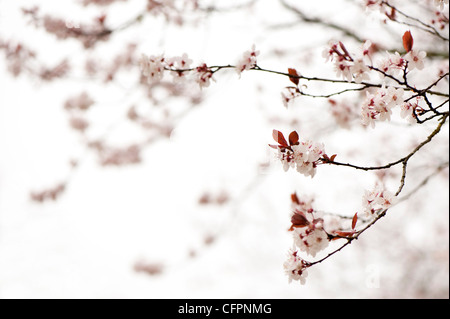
<point>394,81</point>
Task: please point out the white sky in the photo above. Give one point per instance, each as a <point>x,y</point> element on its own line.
<point>85,244</point>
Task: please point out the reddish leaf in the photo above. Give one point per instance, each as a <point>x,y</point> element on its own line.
<point>293,76</point>
<point>293,138</point>
<point>333,157</point>
<point>299,219</point>
<point>354,220</point>
<point>408,41</point>
<point>344,234</point>
<point>294,198</point>
<point>279,138</point>
<point>392,14</point>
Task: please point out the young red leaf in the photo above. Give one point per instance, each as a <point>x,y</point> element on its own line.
<point>344,234</point>
<point>294,198</point>
<point>392,14</point>
<point>293,138</point>
<point>333,157</point>
<point>299,219</point>
<point>408,41</point>
<point>279,138</point>
<point>293,76</point>
<point>354,220</point>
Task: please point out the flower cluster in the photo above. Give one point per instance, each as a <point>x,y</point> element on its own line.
<point>349,66</point>
<point>377,199</point>
<point>304,156</point>
<point>415,59</point>
<point>391,64</point>
<point>154,68</point>
<point>289,95</point>
<point>307,229</point>
<point>379,106</point>
<point>295,267</point>
<point>248,60</point>
<point>308,234</point>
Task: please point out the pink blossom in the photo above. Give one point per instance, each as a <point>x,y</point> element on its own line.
<point>391,64</point>
<point>180,66</point>
<point>152,67</point>
<point>304,157</point>
<point>360,71</point>
<point>377,199</point>
<point>311,239</point>
<point>407,111</point>
<point>343,69</point>
<point>203,75</point>
<point>379,106</point>
<point>295,267</point>
<point>289,96</point>
<point>415,59</point>
<point>248,60</point>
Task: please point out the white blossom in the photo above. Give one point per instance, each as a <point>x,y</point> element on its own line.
<point>152,67</point>
<point>310,239</point>
<point>377,199</point>
<point>295,267</point>
<point>247,61</point>
<point>415,59</point>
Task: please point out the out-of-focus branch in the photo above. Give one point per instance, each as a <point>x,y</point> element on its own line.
<point>315,20</point>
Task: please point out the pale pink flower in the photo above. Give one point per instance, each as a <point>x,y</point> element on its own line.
<point>391,64</point>
<point>407,111</point>
<point>360,71</point>
<point>203,75</point>
<point>377,200</point>
<point>415,59</point>
<point>179,66</point>
<point>295,267</point>
<point>152,67</point>
<point>248,60</point>
<point>289,96</point>
<point>343,69</point>
<point>310,239</point>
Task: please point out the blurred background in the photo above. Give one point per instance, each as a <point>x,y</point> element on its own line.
<point>111,187</point>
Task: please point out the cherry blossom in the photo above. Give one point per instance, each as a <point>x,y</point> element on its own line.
<point>391,64</point>
<point>360,71</point>
<point>377,199</point>
<point>310,239</point>
<point>248,60</point>
<point>178,65</point>
<point>407,111</point>
<point>379,106</point>
<point>304,157</point>
<point>415,59</point>
<point>152,67</point>
<point>203,75</point>
<point>295,267</point>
